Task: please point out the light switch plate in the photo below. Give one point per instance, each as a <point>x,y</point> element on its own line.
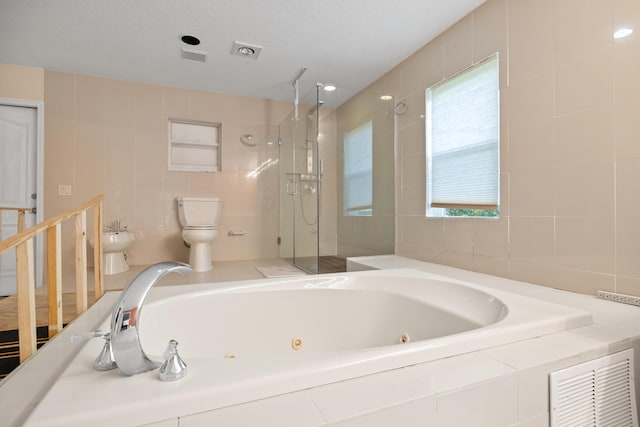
<point>64,190</point>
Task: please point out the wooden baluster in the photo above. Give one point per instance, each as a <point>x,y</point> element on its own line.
<point>81,262</point>
<point>54,278</point>
<point>26,299</point>
<point>97,252</point>
<point>21,220</point>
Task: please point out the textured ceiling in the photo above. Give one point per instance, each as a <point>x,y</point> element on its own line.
<point>350,43</point>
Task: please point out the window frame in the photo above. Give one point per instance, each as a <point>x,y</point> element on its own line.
<point>457,210</point>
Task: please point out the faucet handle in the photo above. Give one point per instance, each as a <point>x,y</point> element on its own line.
<point>105,360</point>
<point>173,367</point>
<point>86,337</point>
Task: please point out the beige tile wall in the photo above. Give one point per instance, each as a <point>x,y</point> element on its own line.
<point>570,145</point>
<point>21,82</point>
<point>110,136</point>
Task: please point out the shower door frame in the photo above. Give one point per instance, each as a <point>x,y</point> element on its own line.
<point>295,180</point>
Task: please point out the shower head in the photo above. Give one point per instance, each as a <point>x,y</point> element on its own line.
<point>314,108</point>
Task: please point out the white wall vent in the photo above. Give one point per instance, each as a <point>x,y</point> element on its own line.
<point>599,393</point>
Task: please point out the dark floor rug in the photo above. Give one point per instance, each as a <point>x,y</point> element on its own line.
<point>9,350</point>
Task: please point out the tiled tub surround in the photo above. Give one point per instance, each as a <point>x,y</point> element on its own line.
<point>496,384</point>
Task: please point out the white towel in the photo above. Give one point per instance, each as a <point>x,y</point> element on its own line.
<point>280,271</point>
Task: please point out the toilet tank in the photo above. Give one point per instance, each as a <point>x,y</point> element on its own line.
<point>199,211</point>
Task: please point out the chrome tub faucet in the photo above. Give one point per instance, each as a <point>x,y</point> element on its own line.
<point>125,335</point>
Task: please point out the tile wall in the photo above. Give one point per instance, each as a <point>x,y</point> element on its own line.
<point>570,145</point>
<point>21,82</point>
<point>110,136</point>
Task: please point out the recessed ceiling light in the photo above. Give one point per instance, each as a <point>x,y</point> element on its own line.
<point>622,32</point>
<point>386,97</point>
<point>190,40</point>
<point>246,50</point>
<point>329,87</point>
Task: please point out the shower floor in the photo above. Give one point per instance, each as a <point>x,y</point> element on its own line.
<point>326,264</point>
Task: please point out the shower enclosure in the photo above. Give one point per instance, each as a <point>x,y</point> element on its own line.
<point>314,224</point>
<point>300,181</point>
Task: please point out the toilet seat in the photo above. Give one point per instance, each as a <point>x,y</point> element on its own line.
<point>199,227</point>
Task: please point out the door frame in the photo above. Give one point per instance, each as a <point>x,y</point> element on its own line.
<point>39,107</point>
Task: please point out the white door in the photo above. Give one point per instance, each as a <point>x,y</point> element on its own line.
<point>18,143</point>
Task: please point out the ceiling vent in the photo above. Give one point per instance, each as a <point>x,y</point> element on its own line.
<point>194,55</point>
<point>246,50</point>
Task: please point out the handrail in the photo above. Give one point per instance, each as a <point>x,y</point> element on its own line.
<point>23,243</point>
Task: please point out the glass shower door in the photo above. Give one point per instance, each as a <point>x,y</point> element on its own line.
<point>286,190</point>
<point>300,186</point>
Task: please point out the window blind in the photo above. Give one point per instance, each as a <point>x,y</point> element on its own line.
<point>358,170</point>
<point>463,139</point>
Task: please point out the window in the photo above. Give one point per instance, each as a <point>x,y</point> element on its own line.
<point>194,146</point>
<point>358,171</point>
<point>463,143</point>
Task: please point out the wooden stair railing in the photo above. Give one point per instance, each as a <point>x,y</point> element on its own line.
<point>23,243</point>
<point>21,216</point>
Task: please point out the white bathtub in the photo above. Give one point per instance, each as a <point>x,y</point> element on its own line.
<point>250,340</point>
<point>316,315</point>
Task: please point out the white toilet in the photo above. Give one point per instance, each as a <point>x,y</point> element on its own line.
<point>199,218</point>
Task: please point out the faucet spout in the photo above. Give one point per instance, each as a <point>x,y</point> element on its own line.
<point>125,337</point>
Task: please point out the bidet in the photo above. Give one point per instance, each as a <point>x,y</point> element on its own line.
<point>114,245</point>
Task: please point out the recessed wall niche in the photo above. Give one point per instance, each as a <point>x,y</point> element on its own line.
<point>195,146</point>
